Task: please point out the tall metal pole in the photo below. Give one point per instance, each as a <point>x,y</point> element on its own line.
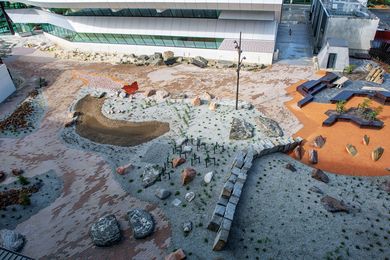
<point>239,64</point>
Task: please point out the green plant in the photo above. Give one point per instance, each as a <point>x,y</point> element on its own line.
<point>340,106</point>
<point>374,112</point>
<point>23,180</point>
<point>365,104</point>
<point>349,69</point>
<point>24,199</point>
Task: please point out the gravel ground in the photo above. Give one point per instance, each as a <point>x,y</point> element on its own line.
<point>39,105</point>
<point>51,189</point>
<point>279,218</point>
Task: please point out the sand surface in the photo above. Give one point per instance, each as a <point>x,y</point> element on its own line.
<point>95,126</point>
<point>333,157</point>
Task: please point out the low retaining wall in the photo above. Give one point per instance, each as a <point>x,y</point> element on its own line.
<point>223,215</point>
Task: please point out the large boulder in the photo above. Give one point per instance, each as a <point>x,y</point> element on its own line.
<point>187,175</point>
<point>199,62</point>
<point>156,59</point>
<point>319,141</point>
<point>105,232</point>
<point>268,126</point>
<point>240,130</point>
<point>196,101</point>
<point>333,205</point>
<point>320,176</point>
<point>11,240</point>
<point>151,174</point>
<point>141,222</point>
<point>169,57</point>
<point>161,94</point>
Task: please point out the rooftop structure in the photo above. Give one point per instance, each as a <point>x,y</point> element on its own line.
<point>347,20</point>
<point>7,86</point>
<point>189,28</point>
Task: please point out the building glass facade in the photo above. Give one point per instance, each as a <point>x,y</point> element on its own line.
<point>178,13</point>
<point>150,40</point>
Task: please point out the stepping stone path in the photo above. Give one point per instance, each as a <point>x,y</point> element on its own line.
<point>223,215</point>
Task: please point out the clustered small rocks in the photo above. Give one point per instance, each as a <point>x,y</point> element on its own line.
<point>156,59</point>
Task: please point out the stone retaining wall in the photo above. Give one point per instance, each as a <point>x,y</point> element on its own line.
<point>222,218</point>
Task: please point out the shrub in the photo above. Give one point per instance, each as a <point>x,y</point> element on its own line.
<point>24,199</point>
<point>349,69</point>
<point>340,106</point>
<point>23,180</point>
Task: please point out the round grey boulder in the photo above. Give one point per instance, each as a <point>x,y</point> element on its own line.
<point>141,222</point>
<point>105,232</point>
<point>11,240</point>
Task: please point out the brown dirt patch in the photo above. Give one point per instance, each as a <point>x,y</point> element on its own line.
<point>94,126</point>
<point>333,156</point>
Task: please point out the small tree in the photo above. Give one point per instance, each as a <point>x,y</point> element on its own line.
<point>362,107</point>
<point>340,106</point>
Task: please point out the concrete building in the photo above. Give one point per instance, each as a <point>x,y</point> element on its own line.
<point>7,86</point>
<point>348,20</point>
<point>334,55</point>
<point>187,27</point>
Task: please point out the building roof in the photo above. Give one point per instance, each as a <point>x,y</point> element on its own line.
<point>350,8</point>
<point>337,42</point>
<point>384,16</point>
<point>160,4</point>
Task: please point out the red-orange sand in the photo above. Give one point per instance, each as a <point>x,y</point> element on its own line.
<point>333,156</point>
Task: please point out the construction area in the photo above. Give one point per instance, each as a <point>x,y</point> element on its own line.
<point>108,155</point>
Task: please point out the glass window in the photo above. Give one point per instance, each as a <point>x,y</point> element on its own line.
<point>138,39</point>
<point>158,41</point>
<point>168,41</point>
<point>178,42</point>
<point>148,40</point>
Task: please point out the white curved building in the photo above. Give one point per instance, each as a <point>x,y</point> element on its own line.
<point>187,27</point>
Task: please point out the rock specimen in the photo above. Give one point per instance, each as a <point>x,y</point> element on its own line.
<point>196,101</point>
<point>268,126</point>
<point>141,222</point>
<point>319,175</point>
<point>333,205</point>
<point>150,92</point>
<point>162,194</point>
<point>177,255</point>
<point>313,156</point>
<point>187,149</point>
<point>316,190</point>
<point>187,227</point>
<point>319,141</point>
<point>290,167</point>
<point>199,62</point>
<point>351,149</point>
<point>190,196</point>
<point>17,172</point>
<point>207,96</point>
<point>298,152</point>
<point>178,161</point>
<point>187,175</point>
<point>366,139</point>
<point>377,153</point>
<point>105,232</point>
<point>161,94</point>
<point>2,176</point>
<point>123,169</point>
<point>208,177</point>
<point>168,57</point>
<point>151,174</point>
<point>176,202</point>
<point>11,240</point>
<point>240,130</point>
<point>213,106</point>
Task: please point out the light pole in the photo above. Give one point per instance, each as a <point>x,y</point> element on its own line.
<point>239,65</point>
